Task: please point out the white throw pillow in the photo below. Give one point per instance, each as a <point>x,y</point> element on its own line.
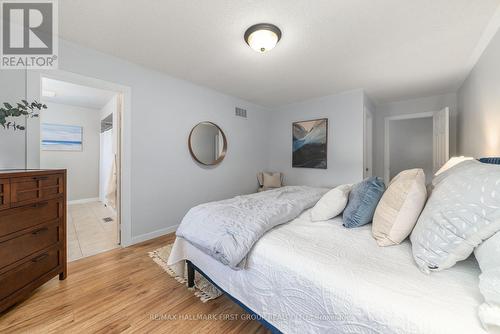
<point>331,204</point>
<point>488,256</point>
<point>399,208</point>
<point>462,211</point>
<point>272,180</point>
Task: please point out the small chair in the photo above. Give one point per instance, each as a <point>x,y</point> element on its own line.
<point>269,181</point>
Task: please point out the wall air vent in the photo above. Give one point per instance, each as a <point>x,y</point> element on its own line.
<point>240,112</point>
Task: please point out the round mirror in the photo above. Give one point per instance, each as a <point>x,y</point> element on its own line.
<point>207,143</point>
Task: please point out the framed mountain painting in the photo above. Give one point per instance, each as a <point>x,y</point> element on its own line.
<point>310,143</point>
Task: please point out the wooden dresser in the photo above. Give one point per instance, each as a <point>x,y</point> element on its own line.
<point>32,231</point>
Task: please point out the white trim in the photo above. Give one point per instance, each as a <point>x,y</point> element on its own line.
<point>411,116</point>
<point>154,234</point>
<point>387,158</point>
<point>84,200</point>
<point>126,127</point>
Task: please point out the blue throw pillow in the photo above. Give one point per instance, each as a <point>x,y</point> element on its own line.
<point>363,200</point>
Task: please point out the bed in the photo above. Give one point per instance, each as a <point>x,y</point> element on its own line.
<point>319,277</point>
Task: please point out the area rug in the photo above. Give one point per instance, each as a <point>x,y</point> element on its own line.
<point>203,289</point>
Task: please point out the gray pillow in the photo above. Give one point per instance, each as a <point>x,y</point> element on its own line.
<point>462,211</point>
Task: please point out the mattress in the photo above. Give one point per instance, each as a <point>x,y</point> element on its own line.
<point>319,277</point>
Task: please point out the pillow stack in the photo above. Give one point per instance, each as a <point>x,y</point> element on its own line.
<point>400,207</point>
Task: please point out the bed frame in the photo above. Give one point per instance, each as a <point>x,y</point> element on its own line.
<point>191,268</point>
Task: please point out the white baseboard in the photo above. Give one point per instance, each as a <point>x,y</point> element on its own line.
<point>155,234</point>
<point>84,200</point>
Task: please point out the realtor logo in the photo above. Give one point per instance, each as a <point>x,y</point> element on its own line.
<point>29,34</point>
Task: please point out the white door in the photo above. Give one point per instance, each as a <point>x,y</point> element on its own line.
<point>368,144</point>
<point>441,141</point>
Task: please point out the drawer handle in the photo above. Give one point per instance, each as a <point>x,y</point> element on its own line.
<point>39,205</point>
<point>40,257</point>
<point>40,178</point>
<point>40,230</point>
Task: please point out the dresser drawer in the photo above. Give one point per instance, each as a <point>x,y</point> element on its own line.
<point>25,190</point>
<point>33,268</point>
<point>26,244</point>
<point>4,194</point>
<point>18,219</point>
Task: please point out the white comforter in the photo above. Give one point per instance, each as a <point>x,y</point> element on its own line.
<point>319,277</point>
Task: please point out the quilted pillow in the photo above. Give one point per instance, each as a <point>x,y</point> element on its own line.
<point>331,204</point>
<point>363,200</point>
<point>463,210</point>
<point>399,208</point>
<point>488,256</point>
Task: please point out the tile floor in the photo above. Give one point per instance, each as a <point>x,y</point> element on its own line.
<point>88,234</point>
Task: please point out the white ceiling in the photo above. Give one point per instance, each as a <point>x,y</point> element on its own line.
<point>394,49</point>
<point>76,95</point>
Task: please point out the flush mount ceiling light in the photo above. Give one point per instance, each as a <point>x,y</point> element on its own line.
<point>262,37</point>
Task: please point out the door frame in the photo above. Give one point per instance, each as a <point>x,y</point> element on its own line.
<point>387,150</point>
<point>367,151</point>
<point>124,196</point>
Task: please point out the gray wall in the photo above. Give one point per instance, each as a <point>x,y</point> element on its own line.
<point>411,146</point>
<point>166,182</point>
<point>345,139</point>
<point>479,106</point>
<point>431,103</point>
<point>83,167</point>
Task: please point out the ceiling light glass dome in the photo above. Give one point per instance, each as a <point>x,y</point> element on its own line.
<point>262,37</point>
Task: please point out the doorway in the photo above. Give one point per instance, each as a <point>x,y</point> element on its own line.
<point>80,132</point>
<point>416,141</point>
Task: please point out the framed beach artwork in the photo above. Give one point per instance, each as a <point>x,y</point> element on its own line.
<point>310,143</point>
<point>57,137</point>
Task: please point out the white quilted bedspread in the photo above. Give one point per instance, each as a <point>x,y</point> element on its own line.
<point>319,277</point>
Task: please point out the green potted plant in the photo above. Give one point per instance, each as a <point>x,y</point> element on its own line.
<point>24,108</point>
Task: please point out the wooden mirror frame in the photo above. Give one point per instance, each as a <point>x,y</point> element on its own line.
<point>224,147</point>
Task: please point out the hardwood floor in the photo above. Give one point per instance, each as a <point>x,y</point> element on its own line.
<point>122,291</point>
